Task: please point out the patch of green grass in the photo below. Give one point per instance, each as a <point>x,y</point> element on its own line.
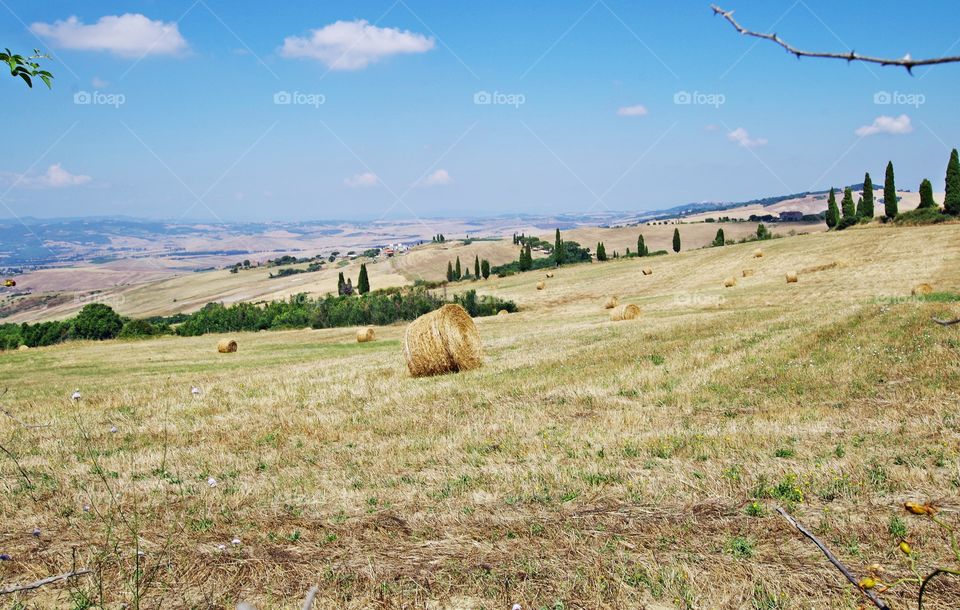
<point>897,528</point>
<point>740,547</point>
<point>940,297</point>
<point>755,509</point>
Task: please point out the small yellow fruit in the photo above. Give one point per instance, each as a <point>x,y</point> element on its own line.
<point>867,583</point>
<point>905,548</point>
<point>919,509</point>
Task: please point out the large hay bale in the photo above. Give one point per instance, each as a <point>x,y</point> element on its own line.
<point>549,274</point>
<point>365,334</point>
<point>758,253</point>
<point>627,311</point>
<point>541,285</point>
<point>503,312</point>
<point>730,282</point>
<point>227,346</point>
<point>747,272</point>
<point>921,290</point>
<point>442,341</point>
<point>647,271</point>
<point>23,348</point>
<point>611,302</point>
<point>792,277</point>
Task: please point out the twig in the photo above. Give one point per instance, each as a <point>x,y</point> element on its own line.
<point>836,562</point>
<point>44,581</point>
<point>311,595</point>
<point>23,472</point>
<point>926,581</point>
<point>946,322</point>
<point>905,62</point>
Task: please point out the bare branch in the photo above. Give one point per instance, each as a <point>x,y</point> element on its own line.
<point>946,322</point>
<point>44,581</point>
<point>906,61</point>
<point>836,562</point>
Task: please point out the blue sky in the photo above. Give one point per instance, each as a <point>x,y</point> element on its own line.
<point>182,119</point>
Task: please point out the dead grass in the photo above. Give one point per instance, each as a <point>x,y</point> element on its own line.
<point>586,464</point>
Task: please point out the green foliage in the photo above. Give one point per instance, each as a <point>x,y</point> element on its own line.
<point>922,216</point>
<point>763,233</point>
<point>676,240</point>
<point>137,329</point>
<point>363,280</point>
<point>890,205</point>
<point>868,197</point>
<point>27,67</point>
<point>558,257</point>
<point>457,271</point>
<point>833,212</point>
<point>642,249</point>
<point>926,195</point>
<point>97,321</point>
<point>951,201</point>
<point>450,276</point>
<point>846,205</point>
<point>847,221</point>
<point>476,267</point>
<point>483,305</point>
<point>341,283</point>
<point>485,268</point>
<point>601,252</point>
<point>719,240</point>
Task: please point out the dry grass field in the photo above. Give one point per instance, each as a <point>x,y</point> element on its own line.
<point>588,464</point>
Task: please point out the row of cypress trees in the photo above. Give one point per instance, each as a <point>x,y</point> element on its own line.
<point>345,287</point>
<point>481,268</point>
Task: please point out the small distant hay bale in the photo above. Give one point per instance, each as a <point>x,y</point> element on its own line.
<point>365,334</point>
<point>442,341</point>
<point>611,302</point>
<point>922,290</point>
<point>503,312</point>
<point>747,272</point>
<point>23,348</point>
<point>627,311</point>
<point>792,277</point>
<point>227,346</point>
<point>758,253</point>
<point>647,271</point>
<point>549,274</point>
<point>541,285</point>
<point>730,282</point>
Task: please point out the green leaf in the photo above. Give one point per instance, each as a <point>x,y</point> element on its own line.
<point>46,78</point>
<point>26,78</point>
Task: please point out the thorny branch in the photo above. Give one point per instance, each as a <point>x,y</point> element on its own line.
<point>906,61</point>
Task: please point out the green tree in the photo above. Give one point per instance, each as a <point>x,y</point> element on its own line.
<point>926,195</point>
<point>485,268</point>
<point>450,277</point>
<point>526,258</point>
<point>951,200</point>
<point>847,205</point>
<point>890,193</point>
<point>363,281</point>
<point>833,213</point>
<point>719,240</point>
<point>476,267</point>
<point>558,250</point>
<point>641,246</point>
<point>457,272</point>
<point>860,207</point>
<point>601,252</point>
<point>27,67</point>
<point>868,198</point>
<point>340,283</point>
<point>97,321</point>
<point>763,232</point>
<point>676,240</point>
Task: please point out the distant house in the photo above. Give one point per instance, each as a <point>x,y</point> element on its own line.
<point>388,252</point>
<point>791,216</point>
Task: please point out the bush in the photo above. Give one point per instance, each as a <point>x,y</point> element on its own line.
<point>922,216</point>
<point>483,305</point>
<point>847,221</point>
<point>98,322</point>
<point>139,329</point>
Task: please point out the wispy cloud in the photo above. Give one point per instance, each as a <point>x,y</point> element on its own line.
<point>742,137</point>
<point>353,45</point>
<point>886,124</point>
<point>363,180</point>
<point>637,110</point>
<point>128,35</point>
<point>437,178</point>
<point>55,177</point>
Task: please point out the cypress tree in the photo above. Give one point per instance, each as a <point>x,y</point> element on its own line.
<point>449,271</point>
<point>926,195</point>
<point>719,240</point>
<point>833,213</point>
<point>676,240</point>
<point>859,207</point>
<point>340,283</point>
<point>867,197</point>
<point>363,281</point>
<point>558,250</point>
<point>457,273</point>
<point>601,252</point>
<point>951,200</point>
<point>348,288</point>
<point>485,268</point>
<point>641,247</point>
<point>849,211</point>
<point>476,267</point>
<point>890,193</point>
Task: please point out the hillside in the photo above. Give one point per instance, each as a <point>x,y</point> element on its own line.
<point>587,464</point>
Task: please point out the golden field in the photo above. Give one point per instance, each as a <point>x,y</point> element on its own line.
<point>588,464</point>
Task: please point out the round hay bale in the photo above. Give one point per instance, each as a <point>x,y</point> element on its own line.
<point>227,346</point>
<point>442,341</point>
<point>922,289</point>
<point>365,334</point>
<point>730,282</point>
<point>758,253</point>
<point>747,272</point>
<point>549,274</point>
<point>541,285</point>
<point>23,348</point>
<point>647,271</point>
<point>627,311</point>
<point>611,302</point>
<point>503,312</point>
<point>792,277</point>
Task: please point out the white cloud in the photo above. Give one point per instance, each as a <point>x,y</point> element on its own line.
<point>55,177</point>
<point>128,35</point>
<point>742,137</point>
<point>98,83</point>
<point>437,178</point>
<point>886,124</point>
<point>353,45</point>
<point>638,110</point>
<point>364,180</point>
